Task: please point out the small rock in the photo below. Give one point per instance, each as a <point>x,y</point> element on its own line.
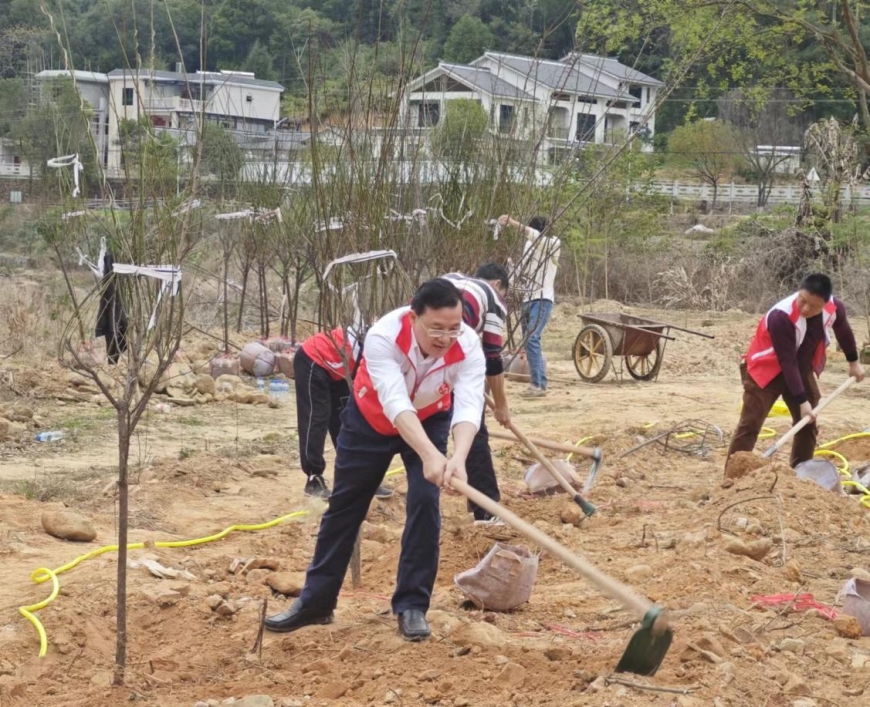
<point>67,525</point>
<point>796,686</point>
<point>162,595</point>
<point>847,626</point>
<point>290,702</point>
<point>791,645</point>
<point>443,622</point>
<point>378,533</point>
<point>571,514</point>
<point>512,675</point>
<point>319,667</point>
<point>461,651</point>
<point>860,661</point>
<point>638,573</point>
<point>838,649</point>
<point>597,685</point>
<point>699,493</point>
<point>102,678</point>
<point>287,583</point>
<point>708,642</point>
<point>792,571</point>
<point>255,701</point>
<point>757,549</point>
<point>345,653</point>
<point>687,701</point>
<point>214,601</point>
<point>226,608</point>
<point>556,653</point>
<point>258,576</point>
<point>501,660</point>
<point>755,529</point>
<point>804,702</point>
<point>860,573</point>
<point>480,634</point>
<point>205,384</point>
<point>429,675</point>
<point>460,702</point>
<point>332,691</point>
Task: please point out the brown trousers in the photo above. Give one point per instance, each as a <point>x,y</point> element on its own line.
<point>757,403</point>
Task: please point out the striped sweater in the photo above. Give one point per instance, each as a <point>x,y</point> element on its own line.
<point>483,310</point>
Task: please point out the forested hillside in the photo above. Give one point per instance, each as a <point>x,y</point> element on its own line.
<point>702,48</point>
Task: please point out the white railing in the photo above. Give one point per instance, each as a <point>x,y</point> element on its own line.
<point>748,193</point>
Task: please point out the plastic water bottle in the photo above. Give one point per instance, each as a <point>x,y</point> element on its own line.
<point>52,436</point>
<point>261,384</point>
<point>279,391</point>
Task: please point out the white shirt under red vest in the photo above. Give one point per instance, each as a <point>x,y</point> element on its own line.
<point>394,376</point>
<point>761,360</point>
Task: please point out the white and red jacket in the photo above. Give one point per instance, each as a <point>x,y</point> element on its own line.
<point>330,350</point>
<point>761,360</point>
<point>394,375</point>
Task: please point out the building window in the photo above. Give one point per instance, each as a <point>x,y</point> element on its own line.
<point>249,98</point>
<point>15,197</point>
<point>585,127</point>
<point>636,92</point>
<point>647,94</point>
<point>505,118</point>
<point>128,97</point>
<point>158,121</point>
<point>586,99</point>
<point>429,115</point>
<point>633,127</point>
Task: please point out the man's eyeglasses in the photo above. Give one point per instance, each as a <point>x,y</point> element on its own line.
<point>439,333</point>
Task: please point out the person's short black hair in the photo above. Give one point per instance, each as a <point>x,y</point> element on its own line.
<point>818,284</point>
<point>493,271</point>
<point>539,223</point>
<point>437,293</point>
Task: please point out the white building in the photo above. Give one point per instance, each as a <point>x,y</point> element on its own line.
<point>243,104</point>
<point>94,90</point>
<point>582,98</point>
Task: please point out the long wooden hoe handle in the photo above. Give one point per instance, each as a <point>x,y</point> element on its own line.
<point>807,419</point>
<point>547,444</point>
<point>587,507</point>
<point>609,586</point>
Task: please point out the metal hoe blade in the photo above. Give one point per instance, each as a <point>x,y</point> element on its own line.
<point>647,648</point>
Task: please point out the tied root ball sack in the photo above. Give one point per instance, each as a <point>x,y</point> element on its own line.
<point>540,481</point>
<point>502,580</point>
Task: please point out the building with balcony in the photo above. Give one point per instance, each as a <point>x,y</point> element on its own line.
<point>246,106</point>
<point>580,99</point>
<point>94,91</point>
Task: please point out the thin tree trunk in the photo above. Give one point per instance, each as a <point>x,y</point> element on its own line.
<point>123,520</point>
<point>226,306</point>
<point>246,268</point>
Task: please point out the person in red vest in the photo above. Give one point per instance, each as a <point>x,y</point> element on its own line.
<point>784,358</point>
<point>322,368</point>
<point>420,378</point>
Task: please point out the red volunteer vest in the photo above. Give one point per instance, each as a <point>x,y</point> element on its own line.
<point>434,384</point>
<point>761,361</point>
<point>321,349</point>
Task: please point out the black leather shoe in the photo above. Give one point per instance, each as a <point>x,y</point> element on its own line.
<point>413,625</point>
<point>296,617</point>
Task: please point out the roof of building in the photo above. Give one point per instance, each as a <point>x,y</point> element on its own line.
<point>555,75</point>
<point>209,77</point>
<point>611,66</point>
<point>90,76</point>
<point>484,80</point>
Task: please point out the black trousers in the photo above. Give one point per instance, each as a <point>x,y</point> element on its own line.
<point>363,457</point>
<point>319,402</point>
<point>480,469</point>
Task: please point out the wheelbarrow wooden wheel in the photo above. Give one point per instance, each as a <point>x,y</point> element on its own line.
<point>592,353</point>
<point>646,367</point>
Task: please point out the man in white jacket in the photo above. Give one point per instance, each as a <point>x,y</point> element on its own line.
<point>415,360</point>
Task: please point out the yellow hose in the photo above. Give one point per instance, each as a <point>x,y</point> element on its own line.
<point>43,574</point>
<point>823,449</point>
<point>577,444</point>
<point>856,435</point>
<point>844,469</point>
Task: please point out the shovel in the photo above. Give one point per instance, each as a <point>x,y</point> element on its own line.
<point>807,419</point>
<point>587,508</point>
<point>648,646</point>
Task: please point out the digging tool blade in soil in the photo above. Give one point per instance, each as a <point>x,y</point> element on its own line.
<point>648,646</point>
<point>587,508</point>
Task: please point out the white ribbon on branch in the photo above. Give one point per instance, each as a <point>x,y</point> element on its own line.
<point>67,161</point>
<point>169,275</point>
<point>95,268</point>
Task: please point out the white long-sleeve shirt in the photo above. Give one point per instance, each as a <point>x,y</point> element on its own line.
<point>410,381</point>
<point>539,264</point>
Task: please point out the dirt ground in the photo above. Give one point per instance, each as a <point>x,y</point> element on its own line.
<point>664,521</point>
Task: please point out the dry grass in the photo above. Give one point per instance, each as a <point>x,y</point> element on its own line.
<point>29,326</point>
